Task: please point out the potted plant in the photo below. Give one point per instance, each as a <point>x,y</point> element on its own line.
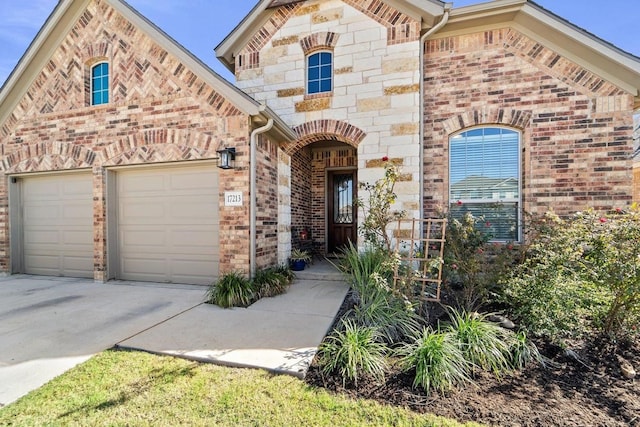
<point>299,259</point>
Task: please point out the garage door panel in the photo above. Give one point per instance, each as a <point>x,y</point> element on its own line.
<point>57,218</point>
<point>168,224</point>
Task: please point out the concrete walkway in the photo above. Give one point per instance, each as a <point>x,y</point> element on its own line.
<point>48,325</point>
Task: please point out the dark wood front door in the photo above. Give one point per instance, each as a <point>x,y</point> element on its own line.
<point>342,221</point>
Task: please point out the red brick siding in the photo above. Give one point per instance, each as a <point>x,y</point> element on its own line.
<point>576,127</point>
<point>267,206</point>
<point>160,111</point>
<point>300,190</point>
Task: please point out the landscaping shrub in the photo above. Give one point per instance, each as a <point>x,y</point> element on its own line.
<point>436,360</point>
<point>353,351</point>
<point>376,305</point>
<point>231,290</point>
<point>390,316</point>
<point>377,207</point>
<point>484,344</point>
<point>472,264</point>
<point>271,281</point>
<point>581,275</point>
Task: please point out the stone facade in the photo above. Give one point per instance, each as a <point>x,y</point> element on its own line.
<point>373,107</point>
<point>160,112</point>
<point>576,127</point>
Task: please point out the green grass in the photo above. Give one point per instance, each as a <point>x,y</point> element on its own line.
<point>118,388</point>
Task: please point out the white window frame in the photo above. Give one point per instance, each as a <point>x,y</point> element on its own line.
<point>91,78</point>
<point>517,200</point>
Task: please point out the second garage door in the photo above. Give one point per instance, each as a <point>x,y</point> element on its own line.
<point>168,224</point>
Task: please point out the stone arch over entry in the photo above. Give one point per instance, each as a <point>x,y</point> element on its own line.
<point>325,130</point>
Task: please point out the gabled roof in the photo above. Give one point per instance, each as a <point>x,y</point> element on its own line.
<point>426,11</point>
<point>574,43</point>
<point>65,16</point>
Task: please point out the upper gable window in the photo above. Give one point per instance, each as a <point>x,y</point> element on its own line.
<point>319,73</point>
<point>100,84</point>
<point>484,179</point>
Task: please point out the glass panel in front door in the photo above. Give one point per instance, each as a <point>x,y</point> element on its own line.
<point>343,199</point>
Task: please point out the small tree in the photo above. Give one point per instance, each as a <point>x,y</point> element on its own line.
<point>377,207</point>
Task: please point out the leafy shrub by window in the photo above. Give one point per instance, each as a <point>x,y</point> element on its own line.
<point>353,351</point>
<point>473,264</point>
<point>581,275</point>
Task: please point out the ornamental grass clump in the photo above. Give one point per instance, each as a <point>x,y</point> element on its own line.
<point>436,360</point>
<point>271,281</point>
<point>484,344</point>
<point>353,351</point>
<point>231,290</point>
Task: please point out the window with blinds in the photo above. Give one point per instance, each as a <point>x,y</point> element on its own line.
<point>484,179</point>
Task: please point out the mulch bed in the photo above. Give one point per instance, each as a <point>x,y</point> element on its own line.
<point>585,388</point>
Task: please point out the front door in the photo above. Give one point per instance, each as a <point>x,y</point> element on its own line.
<point>342,221</point>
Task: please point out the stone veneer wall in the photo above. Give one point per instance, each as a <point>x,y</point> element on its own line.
<point>576,127</point>
<point>374,105</point>
<point>159,112</point>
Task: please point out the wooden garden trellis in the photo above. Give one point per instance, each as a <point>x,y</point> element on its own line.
<point>420,248</point>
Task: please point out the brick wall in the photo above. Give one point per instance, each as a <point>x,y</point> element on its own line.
<point>576,127</point>
<point>160,111</point>
<point>267,205</point>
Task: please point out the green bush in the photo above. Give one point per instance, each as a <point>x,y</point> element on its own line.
<point>391,317</point>
<point>271,281</point>
<point>473,264</point>
<point>353,351</point>
<point>231,290</point>
<point>581,275</point>
<point>436,360</point>
<point>484,344</point>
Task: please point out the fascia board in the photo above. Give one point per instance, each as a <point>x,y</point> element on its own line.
<point>241,34</point>
<point>606,60</point>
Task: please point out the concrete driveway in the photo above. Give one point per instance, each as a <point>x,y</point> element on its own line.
<point>48,325</point>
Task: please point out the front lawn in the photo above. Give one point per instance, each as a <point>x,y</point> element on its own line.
<point>132,388</point>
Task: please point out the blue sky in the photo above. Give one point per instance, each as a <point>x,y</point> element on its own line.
<point>200,25</point>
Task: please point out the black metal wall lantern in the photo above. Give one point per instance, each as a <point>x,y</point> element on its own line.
<point>227,158</point>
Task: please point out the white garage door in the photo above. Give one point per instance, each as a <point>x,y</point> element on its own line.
<point>57,221</point>
<point>168,224</point>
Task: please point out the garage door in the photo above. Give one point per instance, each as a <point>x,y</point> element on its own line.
<point>57,225</point>
<point>168,224</point>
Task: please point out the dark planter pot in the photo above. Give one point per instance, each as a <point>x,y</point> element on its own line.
<point>298,265</point>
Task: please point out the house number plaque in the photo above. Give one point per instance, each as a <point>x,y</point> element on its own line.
<point>233,198</point>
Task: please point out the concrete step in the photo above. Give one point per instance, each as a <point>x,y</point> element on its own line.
<point>320,270</point>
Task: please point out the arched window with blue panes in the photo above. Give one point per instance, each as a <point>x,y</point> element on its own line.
<point>319,73</point>
<point>100,84</point>
<point>484,179</point>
